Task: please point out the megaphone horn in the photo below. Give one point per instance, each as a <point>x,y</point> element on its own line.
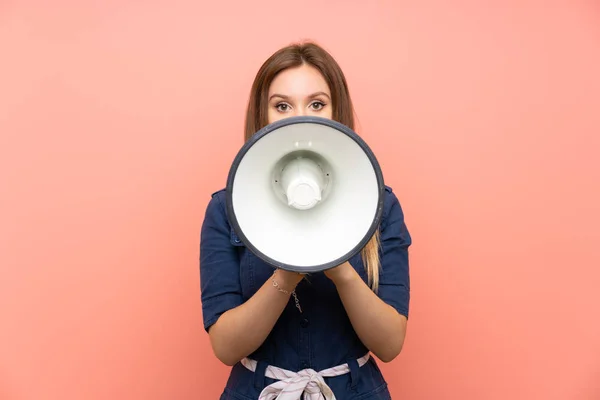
<point>305,194</point>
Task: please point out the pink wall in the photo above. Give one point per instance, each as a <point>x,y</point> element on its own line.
<point>119,118</point>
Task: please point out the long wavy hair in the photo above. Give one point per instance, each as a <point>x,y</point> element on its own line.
<point>312,54</point>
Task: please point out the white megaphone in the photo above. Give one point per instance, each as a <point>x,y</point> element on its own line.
<point>305,194</point>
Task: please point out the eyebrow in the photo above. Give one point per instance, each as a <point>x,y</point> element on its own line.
<point>312,95</point>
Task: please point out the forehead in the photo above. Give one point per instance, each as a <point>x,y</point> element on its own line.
<point>299,82</point>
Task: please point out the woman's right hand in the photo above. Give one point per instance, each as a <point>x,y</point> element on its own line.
<point>287,280</point>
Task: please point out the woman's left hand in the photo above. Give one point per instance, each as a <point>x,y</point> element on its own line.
<point>341,273</point>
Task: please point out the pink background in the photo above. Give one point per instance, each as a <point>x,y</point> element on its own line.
<point>118,119</point>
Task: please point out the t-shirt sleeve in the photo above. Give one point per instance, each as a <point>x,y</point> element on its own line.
<point>219,265</point>
<point>394,279</point>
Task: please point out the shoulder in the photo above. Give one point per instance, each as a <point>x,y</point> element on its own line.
<point>393,219</point>
<point>219,194</point>
<point>391,203</point>
<point>217,201</point>
<point>216,207</point>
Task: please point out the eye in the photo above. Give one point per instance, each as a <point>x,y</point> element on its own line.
<point>317,105</point>
<point>282,107</point>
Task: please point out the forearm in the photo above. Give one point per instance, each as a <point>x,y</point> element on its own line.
<point>379,326</point>
<point>241,330</point>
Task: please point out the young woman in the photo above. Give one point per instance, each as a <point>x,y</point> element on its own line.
<point>290,335</point>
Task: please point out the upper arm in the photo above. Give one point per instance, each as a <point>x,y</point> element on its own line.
<point>219,265</point>
<point>394,279</point>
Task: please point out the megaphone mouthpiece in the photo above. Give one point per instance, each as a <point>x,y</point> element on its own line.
<point>303,182</point>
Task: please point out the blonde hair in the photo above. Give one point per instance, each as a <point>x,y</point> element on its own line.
<point>371,261</point>
<point>296,55</point>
